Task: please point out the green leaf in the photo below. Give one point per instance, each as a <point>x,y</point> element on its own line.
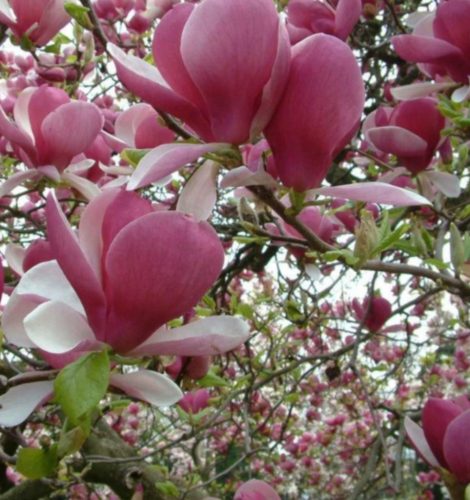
<point>71,441</point>
<point>133,156</point>
<point>467,492</point>
<point>391,239</point>
<point>437,263</point>
<point>79,13</point>
<point>80,386</point>
<point>35,463</point>
<point>167,488</point>
<point>345,255</point>
<point>384,229</point>
<point>210,379</point>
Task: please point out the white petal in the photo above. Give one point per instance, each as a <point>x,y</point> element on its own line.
<point>14,255</point>
<point>374,192</point>
<point>461,94</point>
<point>16,179</point>
<point>166,159</point>
<point>48,281</point>
<point>150,386</point>
<point>21,111</point>
<point>17,404</point>
<point>313,272</point>
<point>128,122</point>
<point>446,183</point>
<point>17,308</point>
<point>206,337</point>
<point>80,167</point>
<point>88,189</point>
<point>243,176</point>
<point>56,328</point>
<point>415,90</point>
<point>416,435</point>
<point>199,195</point>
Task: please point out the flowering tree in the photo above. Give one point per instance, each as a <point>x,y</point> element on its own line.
<point>235,249</point>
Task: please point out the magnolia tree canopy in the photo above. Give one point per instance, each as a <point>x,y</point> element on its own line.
<point>235,257</point>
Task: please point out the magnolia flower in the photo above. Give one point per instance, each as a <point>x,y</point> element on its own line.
<point>129,271</point>
<point>319,111</point>
<point>195,401</point>
<point>39,20</point>
<point>440,42</point>
<point>373,312</point>
<point>221,67</point>
<point>444,440</point>
<point>255,490</point>
<point>306,17</point>
<point>41,136</point>
<point>139,127</point>
<point>411,131</point>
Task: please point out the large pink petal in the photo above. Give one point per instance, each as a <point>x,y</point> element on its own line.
<point>123,209</point>
<point>146,82</point>
<point>149,386</point>
<point>318,113</point>
<point>167,54</point>
<point>228,50</point>
<point>174,262</point>
<point>416,436</point>
<point>451,24</point>
<point>424,49</point>
<point>138,127</point>
<point>206,337</point>
<point>348,13</point>
<point>151,133</point>
<point>41,103</point>
<point>60,145</point>
<point>256,490</point>
<point>90,228</point>
<point>75,265</point>
<point>17,404</point>
<point>272,91</point>
<point>457,447</point>
<point>53,19</point>
<point>375,192</point>
<point>167,159</point>
<point>436,416</point>
<point>57,328</point>
<point>397,141</point>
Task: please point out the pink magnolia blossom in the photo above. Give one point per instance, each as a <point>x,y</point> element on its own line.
<point>256,490</point>
<point>129,271</point>
<point>444,440</point>
<point>139,127</point>
<point>306,17</point>
<point>41,138</point>
<point>39,20</point>
<point>374,312</point>
<point>195,401</point>
<point>221,67</point>
<point>411,131</point>
<point>319,111</point>
<point>440,42</point>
